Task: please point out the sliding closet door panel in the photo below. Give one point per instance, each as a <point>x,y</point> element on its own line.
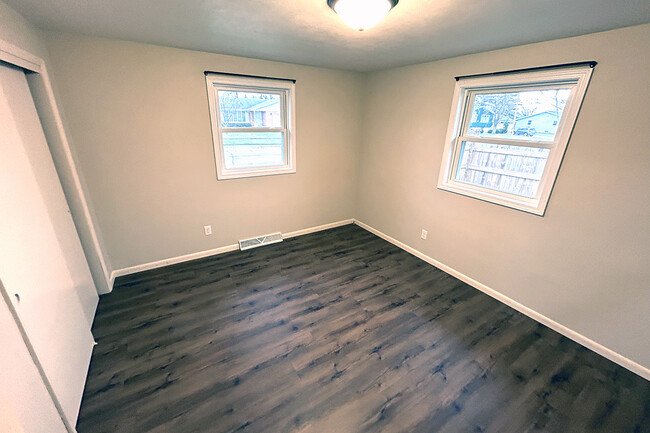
<point>25,404</point>
<point>33,258</point>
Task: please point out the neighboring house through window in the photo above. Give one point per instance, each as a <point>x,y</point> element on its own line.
<point>512,156</point>
<point>253,125</point>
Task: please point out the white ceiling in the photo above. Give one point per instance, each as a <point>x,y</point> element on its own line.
<point>309,32</point>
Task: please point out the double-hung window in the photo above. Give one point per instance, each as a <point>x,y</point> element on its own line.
<point>508,133</point>
<point>253,125</point>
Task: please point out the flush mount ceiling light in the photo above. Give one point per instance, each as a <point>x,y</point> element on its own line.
<point>362,14</point>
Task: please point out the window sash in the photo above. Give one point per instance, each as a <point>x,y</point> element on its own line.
<point>247,129</point>
<point>252,89</point>
<point>222,129</point>
<point>285,156</point>
<point>467,115</point>
<point>508,141</point>
<point>469,105</point>
<point>492,192</point>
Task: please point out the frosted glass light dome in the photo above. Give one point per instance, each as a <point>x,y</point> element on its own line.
<point>362,14</point>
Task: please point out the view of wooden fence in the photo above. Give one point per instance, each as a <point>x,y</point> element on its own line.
<point>511,169</point>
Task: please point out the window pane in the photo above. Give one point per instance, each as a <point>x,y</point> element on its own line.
<point>249,109</point>
<point>526,115</point>
<point>510,169</point>
<point>253,149</point>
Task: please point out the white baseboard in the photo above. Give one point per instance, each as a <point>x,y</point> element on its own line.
<point>111,281</point>
<point>213,252</point>
<point>317,228</point>
<point>573,335</point>
<point>171,261</point>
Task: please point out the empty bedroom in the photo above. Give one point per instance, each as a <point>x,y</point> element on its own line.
<point>324,216</point>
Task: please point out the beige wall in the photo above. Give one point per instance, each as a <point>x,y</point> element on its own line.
<point>139,118</point>
<point>586,264</point>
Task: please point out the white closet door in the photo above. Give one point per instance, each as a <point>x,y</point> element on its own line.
<point>33,264</point>
<point>25,403</point>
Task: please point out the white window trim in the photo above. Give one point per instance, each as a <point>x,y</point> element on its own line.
<point>578,78</point>
<point>286,89</point>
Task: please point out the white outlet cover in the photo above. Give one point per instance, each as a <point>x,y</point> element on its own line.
<point>207,230</point>
<point>424,234</point>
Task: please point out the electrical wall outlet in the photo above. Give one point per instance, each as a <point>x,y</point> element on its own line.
<point>207,230</point>
<point>424,234</point>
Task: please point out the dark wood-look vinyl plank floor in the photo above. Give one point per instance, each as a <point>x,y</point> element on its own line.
<point>338,331</point>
